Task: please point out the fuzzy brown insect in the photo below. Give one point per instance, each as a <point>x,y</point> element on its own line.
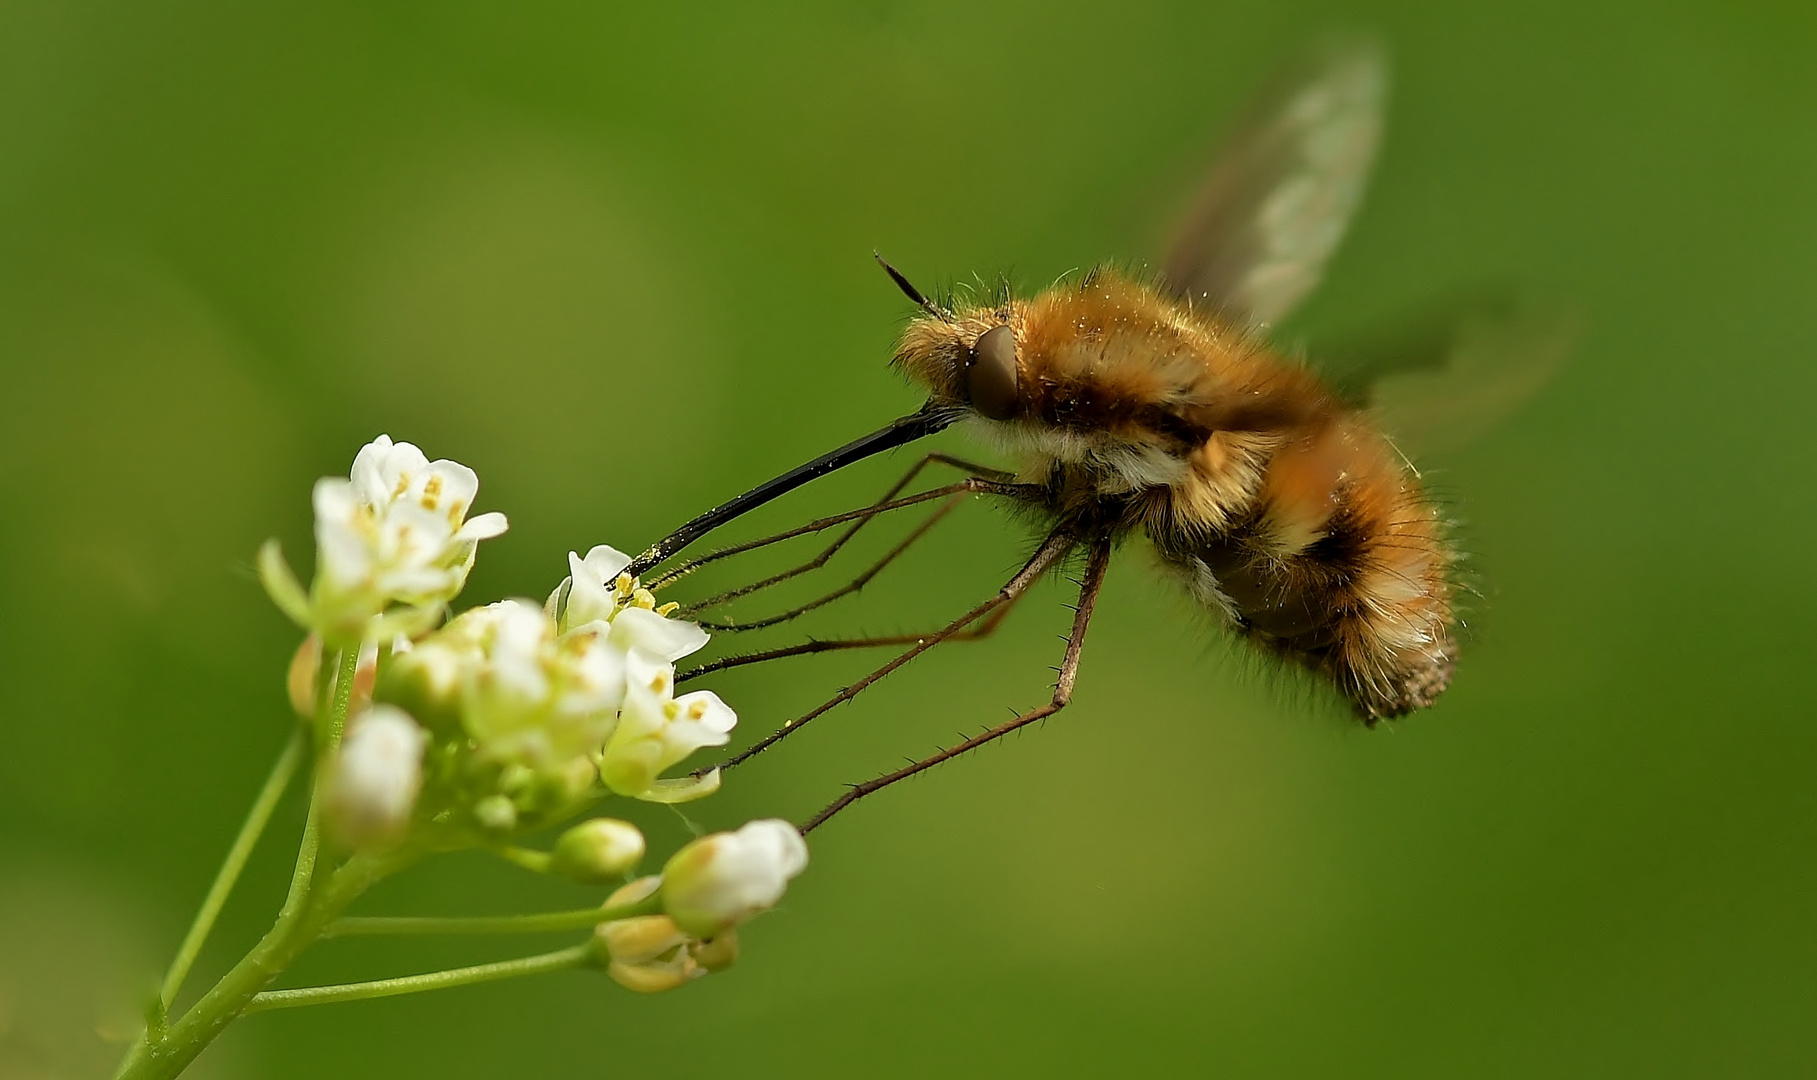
<point>1279,506</point>
<point>1157,407</point>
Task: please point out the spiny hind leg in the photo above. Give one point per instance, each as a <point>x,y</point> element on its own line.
<point>1051,551</point>
<point>1089,587</point>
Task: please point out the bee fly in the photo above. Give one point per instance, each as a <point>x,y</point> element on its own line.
<point>1157,407</point>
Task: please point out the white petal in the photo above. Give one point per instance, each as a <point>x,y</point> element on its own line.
<point>447,488</point>
<point>343,542</point>
<point>671,639</point>
<point>399,469</point>
<point>588,598</point>
<point>599,673</point>
<point>606,563</point>
<point>704,708</point>
<point>368,472</point>
<point>648,685</point>
<point>780,843</point>
<point>484,527</point>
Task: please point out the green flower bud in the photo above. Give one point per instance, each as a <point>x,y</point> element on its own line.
<point>495,814</point>
<point>597,851</point>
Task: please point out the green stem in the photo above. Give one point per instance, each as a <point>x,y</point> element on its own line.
<point>306,911</point>
<point>331,720</point>
<point>293,932</point>
<point>560,960</point>
<point>529,859</point>
<point>539,923</point>
<point>254,826</point>
<point>343,694</point>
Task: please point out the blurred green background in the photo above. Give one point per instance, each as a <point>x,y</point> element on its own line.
<point>618,259</point>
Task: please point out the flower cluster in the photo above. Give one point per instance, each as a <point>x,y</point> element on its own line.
<point>513,716</point>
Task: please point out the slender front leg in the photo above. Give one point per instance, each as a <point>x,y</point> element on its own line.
<point>840,541</point>
<point>847,589</point>
<point>976,484</point>
<point>1063,692</point>
<point>1051,551</point>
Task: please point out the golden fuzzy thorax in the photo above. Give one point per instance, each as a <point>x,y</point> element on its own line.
<point>1281,507</point>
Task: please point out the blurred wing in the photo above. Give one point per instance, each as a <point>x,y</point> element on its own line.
<point>1284,187</point>
<point>1436,383</point>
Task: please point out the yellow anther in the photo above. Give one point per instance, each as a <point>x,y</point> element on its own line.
<point>625,584</point>
<point>643,598</point>
<point>668,609</point>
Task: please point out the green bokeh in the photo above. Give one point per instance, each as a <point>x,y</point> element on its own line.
<point>618,261</point>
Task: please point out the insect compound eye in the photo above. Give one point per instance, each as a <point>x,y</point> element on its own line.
<point>990,373</point>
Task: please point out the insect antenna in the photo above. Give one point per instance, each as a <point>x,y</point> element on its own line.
<point>909,290</point>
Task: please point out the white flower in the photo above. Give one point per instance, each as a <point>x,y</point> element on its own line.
<point>375,776</point>
<point>598,590</point>
<point>650,954</point>
<point>597,851</point>
<point>393,540</point>
<point>656,730</point>
<point>719,881</point>
<point>592,587</point>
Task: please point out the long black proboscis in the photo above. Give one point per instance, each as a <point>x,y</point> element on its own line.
<point>906,430</point>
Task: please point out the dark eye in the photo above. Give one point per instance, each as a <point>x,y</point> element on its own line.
<point>990,374</point>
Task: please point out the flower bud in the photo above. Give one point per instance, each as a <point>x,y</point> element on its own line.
<point>373,780</point>
<point>299,682</point>
<point>306,669</point>
<point>645,953</point>
<point>719,881</point>
<point>496,814</point>
<point>597,851</point>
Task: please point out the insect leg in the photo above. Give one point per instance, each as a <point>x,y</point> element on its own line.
<point>1063,691</point>
<point>983,629</point>
<point>838,542</point>
<point>852,586</point>
<point>1051,551</point>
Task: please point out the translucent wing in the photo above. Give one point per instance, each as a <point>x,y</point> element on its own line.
<point>1284,186</point>
<point>1437,381</point>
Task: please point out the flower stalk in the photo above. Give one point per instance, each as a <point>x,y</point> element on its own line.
<point>560,960</point>
<point>254,826</point>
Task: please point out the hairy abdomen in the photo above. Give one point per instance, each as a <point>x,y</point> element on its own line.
<point>1339,563</point>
